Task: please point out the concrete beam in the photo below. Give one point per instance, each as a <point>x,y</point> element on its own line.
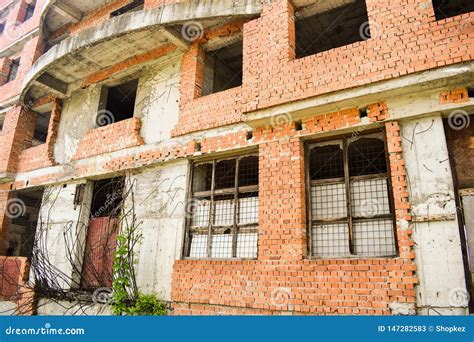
<point>150,20</point>
<point>52,83</point>
<point>68,11</point>
<point>174,38</point>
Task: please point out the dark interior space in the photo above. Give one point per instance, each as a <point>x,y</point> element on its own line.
<point>331,29</point>
<point>120,103</point>
<point>223,69</point>
<point>450,8</point>
<point>41,128</point>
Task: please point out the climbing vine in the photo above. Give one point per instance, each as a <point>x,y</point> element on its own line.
<point>127,299</point>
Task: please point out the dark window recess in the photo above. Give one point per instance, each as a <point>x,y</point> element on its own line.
<point>2,28</point>
<point>30,10</point>
<point>136,5</point>
<point>107,197</point>
<point>223,68</point>
<point>119,103</point>
<point>14,65</point>
<point>202,177</point>
<point>41,128</point>
<point>327,30</point>
<point>248,171</point>
<point>22,230</point>
<point>225,174</point>
<point>326,162</point>
<point>450,8</point>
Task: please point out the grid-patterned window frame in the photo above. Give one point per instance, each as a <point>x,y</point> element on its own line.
<point>344,140</point>
<point>235,193</point>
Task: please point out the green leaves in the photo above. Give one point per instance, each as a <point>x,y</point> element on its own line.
<point>127,299</point>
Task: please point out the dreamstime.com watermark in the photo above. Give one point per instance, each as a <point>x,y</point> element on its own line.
<point>45,330</point>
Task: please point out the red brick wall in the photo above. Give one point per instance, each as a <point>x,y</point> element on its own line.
<point>32,50</point>
<point>282,279</point>
<point>43,155</point>
<point>17,134</point>
<point>458,95</point>
<point>14,272</point>
<point>102,13</point>
<point>15,28</point>
<point>406,39</point>
<point>110,138</point>
<point>224,142</point>
<point>128,63</point>
<point>10,277</point>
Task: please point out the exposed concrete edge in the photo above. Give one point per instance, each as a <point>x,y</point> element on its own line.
<point>346,98</point>
<point>6,177</point>
<point>47,6</point>
<point>138,21</point>
<point>9,103</point>
<point>67,169</point>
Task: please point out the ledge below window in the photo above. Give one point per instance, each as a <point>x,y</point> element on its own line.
<point>110,138</point>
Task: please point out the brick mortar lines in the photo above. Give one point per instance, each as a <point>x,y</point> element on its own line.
<point>272,77</point>
<point>375,282</point>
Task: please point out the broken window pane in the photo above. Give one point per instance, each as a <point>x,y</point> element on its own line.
<point>248,171</point>
<point>202,177</point>
<point>225,174</point>
<point>367,157</point>
<point>326,162</point>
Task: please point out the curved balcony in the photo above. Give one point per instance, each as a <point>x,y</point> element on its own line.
<point>129,40</point>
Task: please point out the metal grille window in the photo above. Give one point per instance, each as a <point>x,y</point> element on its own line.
<point>351,209</point>
<point>223,209</point>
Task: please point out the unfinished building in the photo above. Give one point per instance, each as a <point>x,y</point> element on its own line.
<point>264,157</point>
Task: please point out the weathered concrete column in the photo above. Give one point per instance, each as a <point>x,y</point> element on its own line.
<point>62,228</point>
<point>159,202</point>
<point>436,231</point>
